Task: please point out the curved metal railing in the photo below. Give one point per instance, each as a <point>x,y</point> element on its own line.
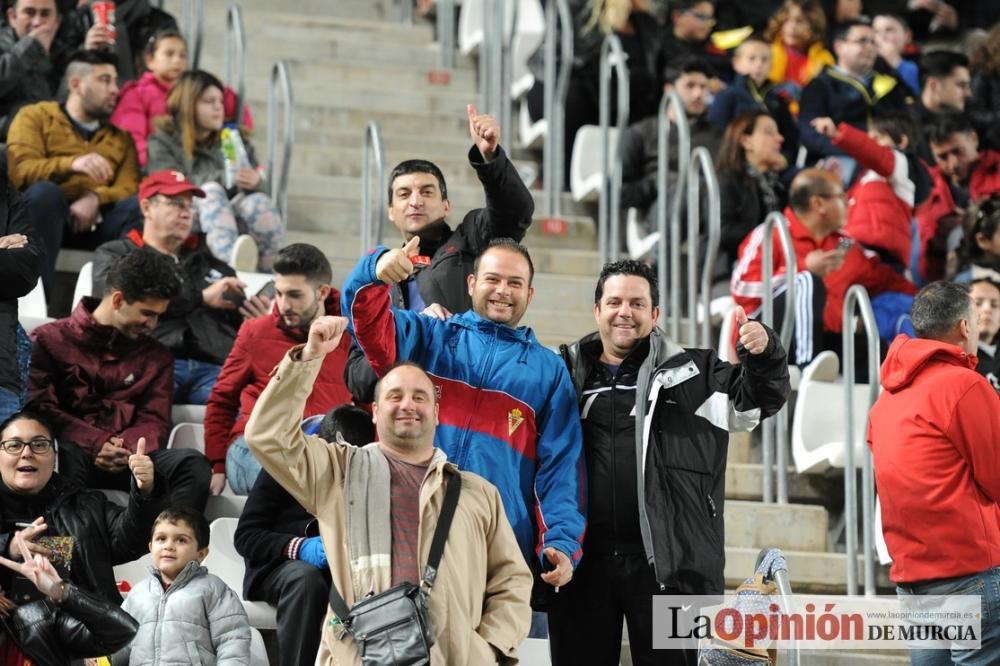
<point>280,94</point>
<point>701,168</point>
<point>193,20</point>
<point>609,206</point>
<point>857,300</point>
<point>667,102</point>
<point>372,154</point>
<point>235,48</point>
<point>554,150</point>
<point>775,429</point>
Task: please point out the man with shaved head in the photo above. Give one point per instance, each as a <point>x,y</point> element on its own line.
<point>827,261</point>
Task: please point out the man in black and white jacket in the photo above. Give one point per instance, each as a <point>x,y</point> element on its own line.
<point>645,398</point>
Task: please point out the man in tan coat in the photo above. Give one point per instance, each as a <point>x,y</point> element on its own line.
<point>378,506</point>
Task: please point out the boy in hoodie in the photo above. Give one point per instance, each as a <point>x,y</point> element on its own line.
<point>752,90</point>
<point>933,435</point>
<point>185,614</point>
<point>894,181</point>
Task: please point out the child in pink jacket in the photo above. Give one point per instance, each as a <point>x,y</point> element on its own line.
<point>144,99</point>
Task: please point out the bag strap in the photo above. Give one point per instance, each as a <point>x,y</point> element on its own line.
<point>443,526</point>
<point>337,602</point>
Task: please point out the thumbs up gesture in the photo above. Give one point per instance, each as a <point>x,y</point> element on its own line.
<point>753,335</point>
<point>395,265</point>
<point>484,130</point>
<point>142,467</point>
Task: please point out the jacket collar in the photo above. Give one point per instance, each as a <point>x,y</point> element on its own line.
<point>471,320</point>
<point>190,572</point>
<point>93,334</point>
<point>191,242</point>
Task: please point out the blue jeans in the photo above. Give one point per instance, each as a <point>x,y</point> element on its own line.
<point>10,404</point>
<point>242,467</point>
<point>987,586</point>
<point>193,381</point>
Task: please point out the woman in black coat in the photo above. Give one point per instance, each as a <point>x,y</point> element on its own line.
<point>748,167</point>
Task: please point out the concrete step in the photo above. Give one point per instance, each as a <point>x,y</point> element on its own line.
<point>370,10</point>
<point>739,448</point>
<point>797,527</point>
<point>809,572</point>
<point>744,482</point>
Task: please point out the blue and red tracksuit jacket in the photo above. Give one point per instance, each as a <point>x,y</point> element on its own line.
<point>508,410</point>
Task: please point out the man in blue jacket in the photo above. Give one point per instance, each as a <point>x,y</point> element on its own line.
<point>508,409</point>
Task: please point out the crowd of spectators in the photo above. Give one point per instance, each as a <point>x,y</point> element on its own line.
<point>873,129</point>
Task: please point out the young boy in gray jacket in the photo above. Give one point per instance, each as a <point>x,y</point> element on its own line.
<point>185,614</point>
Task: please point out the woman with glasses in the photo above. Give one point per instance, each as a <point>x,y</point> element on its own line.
<point>79,530</point>
<point>191,139</point>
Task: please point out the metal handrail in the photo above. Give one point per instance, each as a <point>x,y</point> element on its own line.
<point>857,299</point>
<point>609,208</point>
<point>235,57</point>
<point>667,101</point>
<point>446,32</point>
<point>281,84</point>
<point>554,150</point>
<point>701,168</point>
<point>406,11</point>
<point>193,20</point>
<point>371,216</point>
<point>771,427</point>
<point>506,65</point>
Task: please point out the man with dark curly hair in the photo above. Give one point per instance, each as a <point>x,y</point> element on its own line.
<point>106,383</point>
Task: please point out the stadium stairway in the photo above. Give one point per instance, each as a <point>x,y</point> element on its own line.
<point>352,62</point>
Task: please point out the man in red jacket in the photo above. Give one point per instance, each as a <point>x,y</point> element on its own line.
<point>302,292</point>
<point>828,262</point>
<point>933,434</point>
<point>964,174</point>
<point>106,383</point>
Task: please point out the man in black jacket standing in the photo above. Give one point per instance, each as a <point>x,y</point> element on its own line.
<point>419,206</point>
<point>656,422</point>
<point>22,255</point>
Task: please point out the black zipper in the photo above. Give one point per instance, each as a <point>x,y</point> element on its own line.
<point>711,506</point>
<point>614,462</point>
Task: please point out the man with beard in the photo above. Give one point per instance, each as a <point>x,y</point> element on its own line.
<point>419,207</point>
<point>78,172</point>
<point>302,292</point>
<point>200,325</point>
<point>507,412</point>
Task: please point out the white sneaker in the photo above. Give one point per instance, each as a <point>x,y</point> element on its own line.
<point>245,255</point>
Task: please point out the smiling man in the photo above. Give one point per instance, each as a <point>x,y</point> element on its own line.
<point>655,504</point>
<point>302,292</point>
<point>507,409</point>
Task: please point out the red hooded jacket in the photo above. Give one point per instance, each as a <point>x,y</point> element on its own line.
<point>934,434</point>
<point>260,345</point>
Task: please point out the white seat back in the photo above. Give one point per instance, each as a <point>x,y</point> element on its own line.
<point>529,37</point>
<point>227,564</point>
<point>254,281</point>
<point>187,436</point>
<point>531,134</point>
<point>32,305</point>
<point>585,174</point>
<point>818,439</point>
<point>187,414</point>
<point>727,348</point>
<point>470,26</point>
<point>134,571</point>
<point>84,283</point>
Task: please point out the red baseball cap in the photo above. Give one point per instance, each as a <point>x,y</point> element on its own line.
<point>168,183</point>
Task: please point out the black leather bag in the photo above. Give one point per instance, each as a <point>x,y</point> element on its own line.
<point>393,628</point>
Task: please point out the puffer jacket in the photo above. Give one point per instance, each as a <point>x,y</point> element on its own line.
<point>105,534</point>
<point>206,165</point>
<point>81,626</point>
<point>880,212</point>
<point>189,328</point>
<point>686,402</point>
<point>19,269</point>
<point>197,620</point>
<point>479,603</point>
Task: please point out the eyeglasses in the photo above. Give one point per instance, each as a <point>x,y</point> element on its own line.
<point>704,18</point>
<point>177,203</point>
<point>38,445</point>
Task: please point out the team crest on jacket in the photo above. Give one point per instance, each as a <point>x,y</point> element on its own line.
<point>514,419</point>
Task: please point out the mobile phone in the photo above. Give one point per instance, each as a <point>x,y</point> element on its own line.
<point>234,297</point>
<point>267,291</point>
